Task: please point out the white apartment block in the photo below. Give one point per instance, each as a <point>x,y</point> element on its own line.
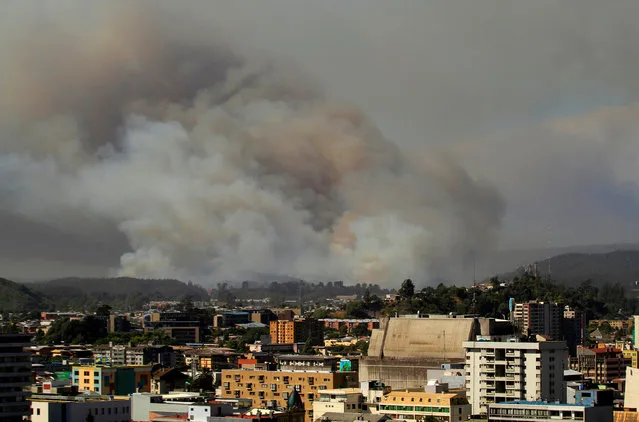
<point>504,371</point>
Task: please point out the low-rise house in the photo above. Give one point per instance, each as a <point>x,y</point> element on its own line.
<point>167,380</point>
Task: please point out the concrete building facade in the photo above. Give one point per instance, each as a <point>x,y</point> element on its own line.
<point>501,371</point>
<point>15,376</point>
<point>404,349</point>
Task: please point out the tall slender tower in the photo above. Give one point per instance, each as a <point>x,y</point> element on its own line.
<point>301,300</point>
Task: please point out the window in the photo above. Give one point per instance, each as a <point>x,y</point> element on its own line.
<point>86,373</point>
<point>38,411</point>
<point>86,380</point>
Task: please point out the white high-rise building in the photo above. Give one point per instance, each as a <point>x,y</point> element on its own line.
<point>503,371</point>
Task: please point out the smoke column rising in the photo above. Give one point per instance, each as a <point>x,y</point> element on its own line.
<point>216,165</point>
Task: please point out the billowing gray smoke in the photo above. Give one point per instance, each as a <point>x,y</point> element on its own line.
<point>216,165</point>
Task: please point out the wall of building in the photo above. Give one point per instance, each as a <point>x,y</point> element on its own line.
<point>397,373</point>
<point>275,386</point>
<point>69,411</point>
<point>416,338</point>
<point>631,399</point>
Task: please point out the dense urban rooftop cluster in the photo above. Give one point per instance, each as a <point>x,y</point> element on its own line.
<point>347,359</point>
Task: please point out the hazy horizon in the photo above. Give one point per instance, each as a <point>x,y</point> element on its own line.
<point>367,141</point>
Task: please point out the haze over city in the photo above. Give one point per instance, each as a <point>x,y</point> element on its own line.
<point>363,140</point>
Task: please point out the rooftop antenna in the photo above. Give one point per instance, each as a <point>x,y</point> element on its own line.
<point>549,253</point>
<point>300,299</point>
<point>474,268</point>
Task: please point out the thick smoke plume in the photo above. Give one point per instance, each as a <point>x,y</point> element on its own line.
<point>216,165</point>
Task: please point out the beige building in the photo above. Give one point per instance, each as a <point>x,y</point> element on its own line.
<point>631,395</point>
<point>416,405</point>
<point>273,388</point>
<point>342,400</point>
<point>502,371</point>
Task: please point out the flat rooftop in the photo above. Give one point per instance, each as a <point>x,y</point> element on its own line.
<point>539,403</point>
<point>341,391</point>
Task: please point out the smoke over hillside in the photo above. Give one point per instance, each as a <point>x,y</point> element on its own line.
<point>215,164</point>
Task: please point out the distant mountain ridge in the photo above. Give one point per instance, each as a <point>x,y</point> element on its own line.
<point>15,297</point>
<point>573,268</point>
<point>123,292</point>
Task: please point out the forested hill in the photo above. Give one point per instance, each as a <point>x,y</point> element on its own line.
<point>571,269</point>
<point>123,292</point>
<point>15,297</point>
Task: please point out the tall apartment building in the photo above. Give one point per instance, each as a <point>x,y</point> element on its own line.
<point>502,371</point>
<point>15,376</point>
<point>297,331</point>
<point>542,318</point>
<point>270,389</point>
<point>119,323</point>
<point>574,328</point>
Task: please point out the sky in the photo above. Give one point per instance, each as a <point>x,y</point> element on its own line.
<point>363,140</point>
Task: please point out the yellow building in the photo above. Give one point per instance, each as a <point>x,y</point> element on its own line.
<point>273,388</point>
<point>416,405</point>
<point>121,380</point>
<point>632,354</point>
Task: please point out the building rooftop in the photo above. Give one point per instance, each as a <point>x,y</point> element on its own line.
<point>417,397</point>
<point>307,357</point>
<point>350,417</point>
<point>82,397</point>
<point>341,391</point>
<point>539,403</point>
